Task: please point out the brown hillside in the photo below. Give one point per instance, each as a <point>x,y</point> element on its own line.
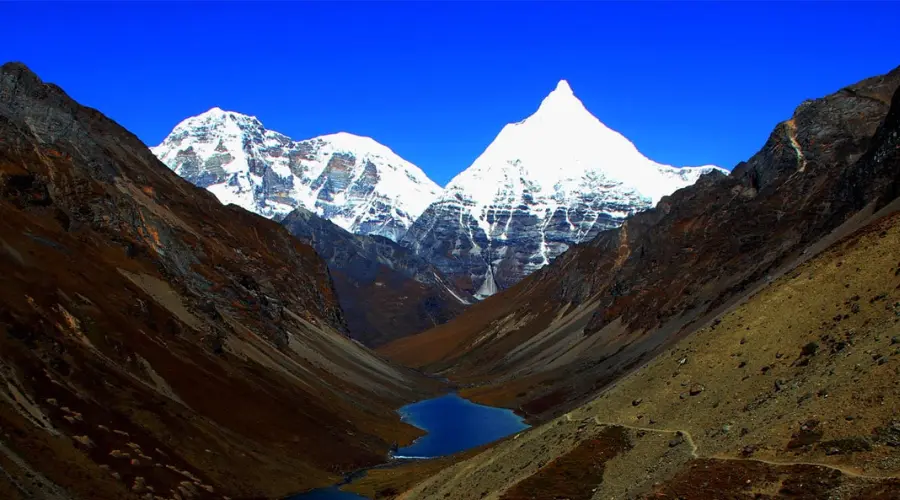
<point>153,341</point>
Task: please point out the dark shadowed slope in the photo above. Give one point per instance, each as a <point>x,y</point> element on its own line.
<point>385,290</point>
<point>155,341</point>
<point>603,308</point>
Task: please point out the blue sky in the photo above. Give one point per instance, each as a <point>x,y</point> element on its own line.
<point>688,83</point>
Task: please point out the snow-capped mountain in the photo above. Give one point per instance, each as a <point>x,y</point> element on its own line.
<point>355,182</point>
<point>554,179</point>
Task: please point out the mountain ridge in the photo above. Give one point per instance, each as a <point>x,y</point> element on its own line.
<point>354,181</point>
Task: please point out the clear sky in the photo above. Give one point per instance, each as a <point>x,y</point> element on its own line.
<point>688,83</point>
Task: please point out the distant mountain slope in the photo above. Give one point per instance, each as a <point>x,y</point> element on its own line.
<point>606,306</point>
<point>154,341</point>
<point>385,290</point>
<point>557,178</point>
<point>355,182</point>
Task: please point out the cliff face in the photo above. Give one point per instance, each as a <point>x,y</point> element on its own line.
<point>605,306</point>
<point>154,340</point>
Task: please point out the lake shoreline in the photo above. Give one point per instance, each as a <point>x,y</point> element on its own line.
<point>452,425</point>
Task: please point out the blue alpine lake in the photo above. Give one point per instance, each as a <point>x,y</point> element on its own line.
<point>454,424</point>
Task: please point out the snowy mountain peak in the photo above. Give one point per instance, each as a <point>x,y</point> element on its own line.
<point>357,183</point>
<point>563,87</point>
<point>556,178</point>
<point>561,104</point>
<point>217,119</point>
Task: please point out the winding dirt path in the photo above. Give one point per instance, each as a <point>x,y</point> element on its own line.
<point>694,453</point>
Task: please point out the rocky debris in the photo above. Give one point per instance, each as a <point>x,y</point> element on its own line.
<point>808,434</point>
<point>810,349</point>
<point>187,489</point>
<point>139,485</point>
<point>84,441</point>
<point>184,473</point>
<point>696,389</point>
<point>845,446</point>
<point>889,434</point>
<point>636,402</point>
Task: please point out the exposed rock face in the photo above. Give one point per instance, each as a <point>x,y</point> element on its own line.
<point>355,182</point>
<point>386,291</point>
<point>148,331</point>
<point>605,306</point>
<point>553,180</point>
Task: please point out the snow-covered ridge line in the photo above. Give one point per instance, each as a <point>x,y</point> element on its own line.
<point>354,181</point>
